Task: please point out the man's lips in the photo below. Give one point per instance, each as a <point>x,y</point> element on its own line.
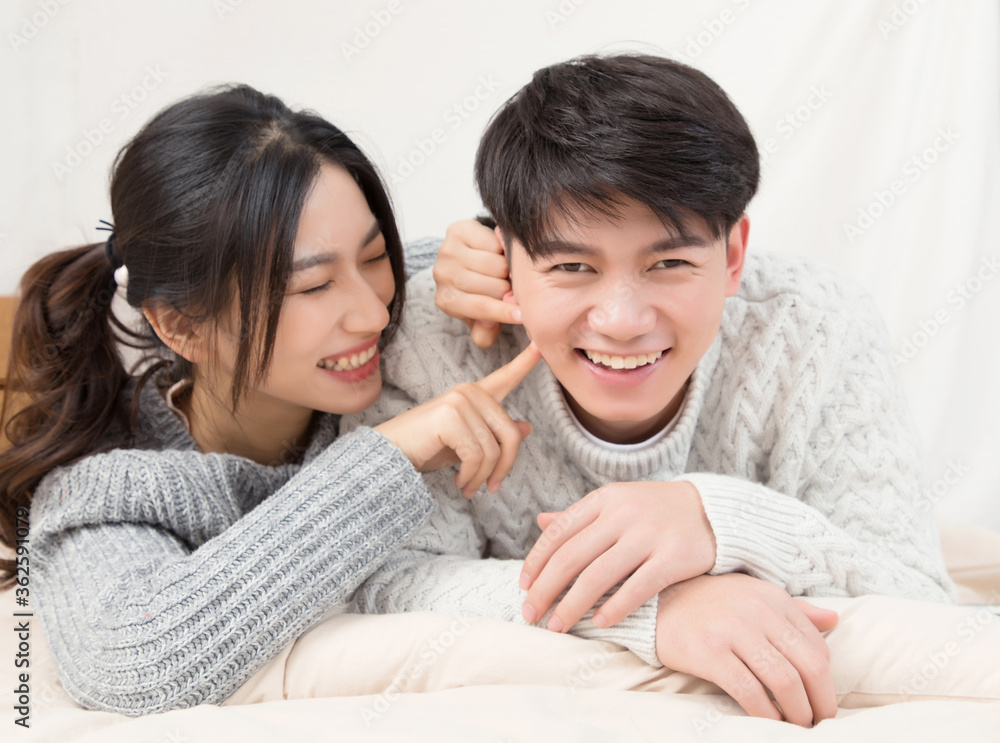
<point>617,362</point>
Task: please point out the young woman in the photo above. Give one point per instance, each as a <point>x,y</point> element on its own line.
<point>189,520</point>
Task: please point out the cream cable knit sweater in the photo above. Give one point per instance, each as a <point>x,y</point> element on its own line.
<point>794,430</point>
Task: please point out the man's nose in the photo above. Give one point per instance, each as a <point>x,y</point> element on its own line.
<point>623,312</point>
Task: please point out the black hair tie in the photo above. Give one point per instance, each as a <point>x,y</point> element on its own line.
<point>109,245</point>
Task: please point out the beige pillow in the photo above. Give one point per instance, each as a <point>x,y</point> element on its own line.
<point>884,650</point>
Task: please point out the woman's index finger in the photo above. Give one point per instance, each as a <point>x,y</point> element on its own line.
<point>500,383</point>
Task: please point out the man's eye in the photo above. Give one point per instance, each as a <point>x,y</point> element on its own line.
<point>316,289</point>
<point>571,267</point>
<point>670,263</point>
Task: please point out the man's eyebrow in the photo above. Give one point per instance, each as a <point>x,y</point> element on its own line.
<point>320,259</point>
<point>554,246</point>
<point>676,242</point>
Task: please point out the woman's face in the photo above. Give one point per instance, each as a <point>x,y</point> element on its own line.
<point>336,306</point>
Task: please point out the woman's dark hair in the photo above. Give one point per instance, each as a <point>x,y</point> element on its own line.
<point>597,131</point>
<point>206,202</point>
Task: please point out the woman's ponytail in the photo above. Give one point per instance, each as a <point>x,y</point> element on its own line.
<point>65,372</point>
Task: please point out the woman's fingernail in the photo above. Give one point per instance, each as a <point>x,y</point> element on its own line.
<point>515,316</point>
<point>600,620</point>
<point>525,582</point>
<point>529,613</point>
<point>555,624</point>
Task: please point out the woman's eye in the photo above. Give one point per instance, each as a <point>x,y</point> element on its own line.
<point>571,267</point>
<point>378,258</point>
<point>316,289</point>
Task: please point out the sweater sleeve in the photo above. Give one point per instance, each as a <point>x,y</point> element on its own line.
<point>851,516</point>
<point>445,566</point>
<point>146,611</point>
<point>420,254</point>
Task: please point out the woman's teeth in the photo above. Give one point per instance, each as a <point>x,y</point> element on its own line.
<point>622,362</point>
<point>348,362</point>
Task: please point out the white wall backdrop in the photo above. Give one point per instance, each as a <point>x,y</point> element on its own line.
<point>879,120</point>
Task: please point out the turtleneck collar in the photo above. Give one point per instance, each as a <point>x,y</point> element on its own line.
<point>601,465</point>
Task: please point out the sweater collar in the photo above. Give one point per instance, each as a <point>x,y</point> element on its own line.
<point>667,459</point>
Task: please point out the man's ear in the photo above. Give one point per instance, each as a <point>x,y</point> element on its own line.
<point>503,243</point>
<point>179,333</point>
<point>736,252</point>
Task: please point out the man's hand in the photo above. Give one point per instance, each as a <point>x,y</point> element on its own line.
<point>471,274</point>
<point>653,534</point>
<point>749,637</point>
<point>467,425</point>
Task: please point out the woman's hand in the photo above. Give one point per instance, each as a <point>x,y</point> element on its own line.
<point>467,425</point>
<point>649,534</point>
<point>749,637</point>
<point>471,273</point>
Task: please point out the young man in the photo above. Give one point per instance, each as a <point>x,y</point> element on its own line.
<point>713,432</point>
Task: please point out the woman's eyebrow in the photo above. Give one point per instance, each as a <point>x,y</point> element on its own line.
<point>321,259</point>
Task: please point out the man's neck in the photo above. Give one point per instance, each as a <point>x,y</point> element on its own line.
<point>627,432</point>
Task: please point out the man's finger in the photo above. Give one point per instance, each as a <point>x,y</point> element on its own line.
<point>501,382</point>
<point>647,581</point>
<point>547,517</point>
<point>594,581</point>
<point>559,531</point>
<point>813,667</point>
<point>823,619</point>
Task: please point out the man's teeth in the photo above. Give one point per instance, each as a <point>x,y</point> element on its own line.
<point>348,362</point>
<point>622,362</point>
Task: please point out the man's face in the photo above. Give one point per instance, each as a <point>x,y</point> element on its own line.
<point>623,310</point>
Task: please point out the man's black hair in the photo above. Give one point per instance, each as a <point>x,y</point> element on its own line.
<point>588,135</point>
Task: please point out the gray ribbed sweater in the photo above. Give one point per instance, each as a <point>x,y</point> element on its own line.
<point>165,577</point>
<point>794,430</point>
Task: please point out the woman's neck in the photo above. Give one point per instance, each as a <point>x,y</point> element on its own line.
<point>265,430</point>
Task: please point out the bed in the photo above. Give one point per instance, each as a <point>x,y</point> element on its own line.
<point>903,670</point>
